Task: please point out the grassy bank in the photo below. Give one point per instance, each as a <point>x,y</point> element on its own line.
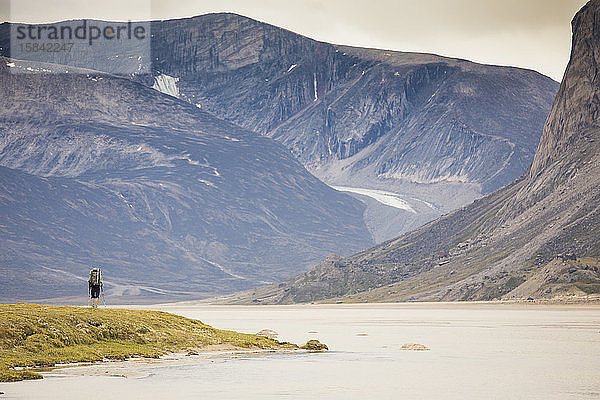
<point>35,335</point>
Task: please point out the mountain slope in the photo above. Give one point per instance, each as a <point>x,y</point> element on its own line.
<point>327,102</point>
<point>537,237</point>
<point>171,201</point>
<point>427,128</point>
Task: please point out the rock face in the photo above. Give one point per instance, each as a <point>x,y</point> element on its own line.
<point>492,247</point>
<point>169,200</point>
<point>577,105</point>
<point>438,132</point>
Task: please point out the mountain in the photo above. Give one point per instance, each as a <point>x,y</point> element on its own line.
<point>535,238</point>
<point>431,132</point>
<point>172,202</point>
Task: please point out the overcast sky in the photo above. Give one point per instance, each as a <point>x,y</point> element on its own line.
<point>533,34</point>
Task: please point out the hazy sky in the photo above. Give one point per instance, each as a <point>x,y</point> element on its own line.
<point>534,34</point>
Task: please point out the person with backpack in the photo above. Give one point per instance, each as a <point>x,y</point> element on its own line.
<point>95,286</point>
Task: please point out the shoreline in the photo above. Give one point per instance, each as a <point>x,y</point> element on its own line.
<point>593,301</point>
<point>38,336</point>
<point>131,367</point>
<point>228,300</point>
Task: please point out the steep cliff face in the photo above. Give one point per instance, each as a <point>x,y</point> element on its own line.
<point>170,200</point>
<point>577,105</point>
<point>427,128</point>
<point>537,237</point>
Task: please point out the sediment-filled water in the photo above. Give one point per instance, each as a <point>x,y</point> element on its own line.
<point>477,351</point>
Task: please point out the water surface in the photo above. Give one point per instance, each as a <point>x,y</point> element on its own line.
<point>478,351</point>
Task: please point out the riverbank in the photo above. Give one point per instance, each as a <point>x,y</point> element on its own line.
<point>34,335</point>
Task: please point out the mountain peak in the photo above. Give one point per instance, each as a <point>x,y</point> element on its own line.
<point>577,104</point>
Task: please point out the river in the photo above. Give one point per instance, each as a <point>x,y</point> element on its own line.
<point>477,351</point>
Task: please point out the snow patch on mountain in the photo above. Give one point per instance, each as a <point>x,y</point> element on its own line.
<point>387,198</point>
<point>166,84</point>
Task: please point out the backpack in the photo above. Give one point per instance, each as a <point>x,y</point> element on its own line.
<point>95,278</point>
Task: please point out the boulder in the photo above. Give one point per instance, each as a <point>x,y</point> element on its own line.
<point>414,347</point>
<point>314,345</point>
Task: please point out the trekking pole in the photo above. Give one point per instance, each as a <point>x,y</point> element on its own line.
<point>103,299</point>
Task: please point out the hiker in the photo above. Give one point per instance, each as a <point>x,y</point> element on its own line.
<point>95,286</point>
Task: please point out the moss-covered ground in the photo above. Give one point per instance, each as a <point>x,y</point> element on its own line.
<point>34,335</point>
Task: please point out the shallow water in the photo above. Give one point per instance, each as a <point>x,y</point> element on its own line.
<point>478,351</point>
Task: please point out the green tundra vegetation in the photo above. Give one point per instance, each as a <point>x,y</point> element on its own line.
<point>34,335</point>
